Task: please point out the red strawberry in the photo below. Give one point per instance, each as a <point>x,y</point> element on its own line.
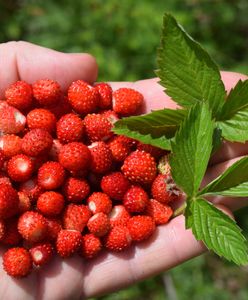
<point>99,202</point>
<point>50,203</point>
<point>164,189</point>
<point>31,188</point>
<point>53,228</point>
<point>164,166</point>
<point>55,149</point>
<point>41,118</point>
<point>12,236</point>
<point>41,253</point>
<point>141,227</point>
<point>118,239</point>
<point>32,226</point>
<point>154,151</point>
<point>37,142</point>
<point>99,224</point>
<point>51,175</point>
<point>70,128</point>
<point>10,144</point>
<point>2,229</point>
<point>128,141</point>
<point>97,127</point>
<point>110,115</point>
<point>136,199</point>
<point>4,179</point>
<point>24,202</point>
<point>76,189</point>
<point>140,167</point>
<point>75,217</point>
<point>119,216</point>
<point>74,156</point>
<point>119,149</point>
<point>12,121</point>
<point>68,242</point>
<point>17,262</point>
<point>19,95</point>
<point>91,246</point>
<point>46,91</point>
<point>2,158</point>
<point>160,212</point>
<point>105,95</point>
<point>101,158</point>
<point>115,185</point>
<point>127,101</point>
<point>83,98</point>
<point>8,201</point>
<point>63,108</point>
<point>20,168</point>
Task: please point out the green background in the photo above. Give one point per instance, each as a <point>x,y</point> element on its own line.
<point>124,36</point>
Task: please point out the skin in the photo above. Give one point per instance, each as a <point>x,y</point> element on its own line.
<point>74,278</point>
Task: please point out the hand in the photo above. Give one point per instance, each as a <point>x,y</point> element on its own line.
<point>75,278</point>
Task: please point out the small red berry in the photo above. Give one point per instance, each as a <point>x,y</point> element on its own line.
<point>119,216</point>
<point>91,246</point>
<point>118,239</point>
<point>99,224</point>
<point>105,95</point>
<point>55,149</point>
<point>141,227</point>
<point>68,242</point>
<point>10,144</point>
<point>101,158</point>
<point>51,175</point>
<point>41,118</point>
<point>135,199</point>
<point>2,158</point>
<point>8,201</point>
<point>99,202</point>
<point>20,168</point>
<point>53,228</point>
<point>24,202</point>
<point>75,217</point>
<point>46,91</point>
<point>119,149</point>
<point>154,151</point>
<point>76,189</point>
<point>161,213</point>
<point>41,253</point>
<point>50,203</point>
<point>12,121</point>
<point>31,188</point>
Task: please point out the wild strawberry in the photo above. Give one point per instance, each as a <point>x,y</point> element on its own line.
<point>63,108</point>
<point>160,212</point>
<point>128,141</point>
<point>46,91</point>
<point>119,216</point>
<point>50,203</point>
<point>83,98</point>
<point>75,217</point>
<point>101,157</point>
<point>19,95</point>
<point>12,121</point>
<point>24,202</point>
<point>41,253</point>
<point>8,201</point>
<point>70,128</point>
<point>41,118</point>
<point>68,242</point>
<point>12,236</point>
<point>135,199</point>
<point>74,156</point>
<point>32,226</point>
<point>36,142</point>
<point>140,167</point>
<point>20,168</point>
<point>17,262</point>
<point>2,158</point>
<point>110,115</point>
<point>105,95</point>
<point>127,101</point>
<point>76,189</point>
<point>55,149</point>
<point>164,166</point>
<point>51,175</point>
<point>154,151</point>
<point>31,188</point>
<point>91,246</point>
<point>141,227</point>
<point>53,228</point>
<point>119,149</point>
<point>99,224</point>
<point>97,127</point>
<point>115,185</point>
<point>118,239</point>
<point>164,189</point>
<point>2,229</point>
<point>99,202</point>
<point>10,144</point>
<point>5,179</point>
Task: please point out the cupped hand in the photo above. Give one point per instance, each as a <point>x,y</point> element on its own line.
<point>75,278</point>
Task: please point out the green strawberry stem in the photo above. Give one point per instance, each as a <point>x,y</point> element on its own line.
<point>180,210</point>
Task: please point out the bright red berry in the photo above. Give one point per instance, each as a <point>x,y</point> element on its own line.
<point>110,115</point>
<point>8,201</point>
<point>36,142</point>
<point>24,202</point>
<point>17,262</point>
<point>70,128</point>
<point>119,216</point>
<point>50,203</point>
<point>12,121</point>
<point>115,185</point>
<point>118,239</point>
<point>41,253</point>
<point>154,151</point>
<point>161,213</point>
<point>20,168</point>
<point>53,228</point>
<point>101,158</point>
<point>74,156</point>
<point>91,246</point>
<point>140,167</point>
<point>119,149</point>
<point>141,227</point>
<point>31,188</point>
<point>83,98</point>
<point>55,149</point>
<point>68,242</point>
<point>61,108</point>
<point>135,199</point>
<point>41,118</point>
<point>127,101</point>
<point>76,189</point>
<point>75,217</point>
<point>51,175</point>
<point>99,202</point>
<point>2,158</point>
<point>99,224</point>
<point>19,95</point>
<point>46,91</point>
<point>105,95</point>
<point>10,144</point>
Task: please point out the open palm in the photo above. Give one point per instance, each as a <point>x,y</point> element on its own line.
<point>75,278</point>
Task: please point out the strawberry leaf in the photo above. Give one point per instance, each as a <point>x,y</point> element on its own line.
<point>240,190</point>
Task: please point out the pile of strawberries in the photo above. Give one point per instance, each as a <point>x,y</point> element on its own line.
<point>67,183</point>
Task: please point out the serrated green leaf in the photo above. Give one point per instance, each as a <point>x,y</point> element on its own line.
<point>240,190</point>
<point>191,149</point>
<point>232,177</point>
<point>218,232</point>
<point>186,70</point>
<point>156,128</point>
<point>217,139</point>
